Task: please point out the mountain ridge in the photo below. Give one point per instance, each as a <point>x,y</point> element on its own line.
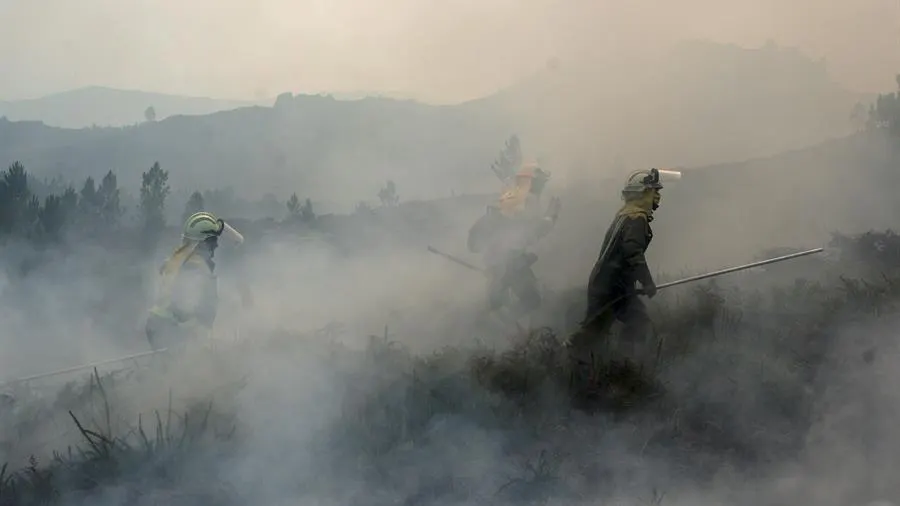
<point>111,107</point>
<point>692,109</point>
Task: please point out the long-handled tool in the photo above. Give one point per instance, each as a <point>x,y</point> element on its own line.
<point>80,367</point>
<point>709,275</point>
<point>454,259</point>
<point>739,268</point>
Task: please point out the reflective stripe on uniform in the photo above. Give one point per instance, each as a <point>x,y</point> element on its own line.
<point>201,217</point>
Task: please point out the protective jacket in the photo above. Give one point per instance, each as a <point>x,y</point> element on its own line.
<point>621,262</point>
<point>504,238</point>
<point>188,290</point>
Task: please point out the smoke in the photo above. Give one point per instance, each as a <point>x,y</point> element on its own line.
<point>302,409</point>
<point>69,308</point>
<point>319,425</point>
<point>431,51</point>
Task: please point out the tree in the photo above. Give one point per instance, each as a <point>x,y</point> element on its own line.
<point>14,200</point>
<point>363,209</point>
<point>293,207</point>
<point>154,190</point>
<point>509,160</point>
<point>69,201</point>
<point>30,217</point>
<point>885,112</point>
<point>193,205</point>
<point>89,205</point>
<point>150,114</point>
<point>307,215</point>
<point>51,218</point>
<point>109,199</point>
<point>300,212</point>
<point>221,198</point>
<point>388,194</point>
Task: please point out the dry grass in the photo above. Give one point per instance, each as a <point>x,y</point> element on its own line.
<point>774,341</point>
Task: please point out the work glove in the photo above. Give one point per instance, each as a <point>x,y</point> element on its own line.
<point>648,289</point>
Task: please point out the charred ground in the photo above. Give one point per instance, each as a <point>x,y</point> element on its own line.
<point>739,384</point>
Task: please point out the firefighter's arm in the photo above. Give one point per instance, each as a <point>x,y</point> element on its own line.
<point>548,221</point>
<point>543,227</point>
<point>634,242</point>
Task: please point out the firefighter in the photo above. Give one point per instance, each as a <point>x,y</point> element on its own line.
<point>187,297</point>
<point>504,234</point>
<point>621,265</point>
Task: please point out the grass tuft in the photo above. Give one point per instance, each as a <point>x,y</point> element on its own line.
<point>729,377</point>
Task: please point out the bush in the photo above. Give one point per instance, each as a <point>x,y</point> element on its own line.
<point>731,382</point>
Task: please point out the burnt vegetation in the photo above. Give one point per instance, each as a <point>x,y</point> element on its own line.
<point>732,378</point>
<point>764,351</point>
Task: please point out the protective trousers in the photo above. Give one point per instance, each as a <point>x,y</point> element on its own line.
<point>166,333</point>
<point>517,278</point>
<point>629,310</point>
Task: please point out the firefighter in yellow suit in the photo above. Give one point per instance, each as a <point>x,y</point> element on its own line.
<point>187,298</point>
<point>504,235</point>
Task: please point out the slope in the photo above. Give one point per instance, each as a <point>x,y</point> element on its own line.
<point>699,103</point>
<point>100,106</point>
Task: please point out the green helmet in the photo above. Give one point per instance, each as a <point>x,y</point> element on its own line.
<point>201,226</point>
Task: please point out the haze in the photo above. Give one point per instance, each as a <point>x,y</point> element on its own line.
<point>434,51</point>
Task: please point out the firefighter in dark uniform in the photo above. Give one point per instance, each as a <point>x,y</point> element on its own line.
<point>612,292</point>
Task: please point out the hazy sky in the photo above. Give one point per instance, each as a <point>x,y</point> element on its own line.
<point>438,50</point>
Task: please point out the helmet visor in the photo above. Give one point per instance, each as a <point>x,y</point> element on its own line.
<point>230,232</point>
<point>669,175</point>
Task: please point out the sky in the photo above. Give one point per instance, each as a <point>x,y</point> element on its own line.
<point>439,51</point>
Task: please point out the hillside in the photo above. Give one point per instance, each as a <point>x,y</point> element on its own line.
<point>100,106</point>
<point>752,383</point>
<point>748,386</point>
<point>313,144</point>
<point>700,103</point>
<point>704,104</point>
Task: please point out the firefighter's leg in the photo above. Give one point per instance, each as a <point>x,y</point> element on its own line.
<point>496,291</point>
<point>164,333</point>
<point>637,321</point>
<point>593,331</point>
<point>637,331</point>
<point>525,285</point>
<point>158,331</point>
<point>584,354</point>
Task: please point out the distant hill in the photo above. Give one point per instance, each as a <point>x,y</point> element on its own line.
<point>704,103</point>
<point>314,145</point>
<point>102,107</point>
<point>700,103</point>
